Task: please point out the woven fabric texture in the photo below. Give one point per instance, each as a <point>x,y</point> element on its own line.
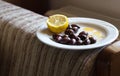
<point>22,54</point>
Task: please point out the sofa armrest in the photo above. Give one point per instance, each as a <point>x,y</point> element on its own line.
<point>108,63</point>
<point>21,53</point>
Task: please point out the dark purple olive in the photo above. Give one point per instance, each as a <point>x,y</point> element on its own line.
<point>83,37</point>
<point>57,37</point>
<point>83,33</point>
<point>73,36</point>
<point>92,40</point>
<point>65,39</point>
<point>72,42</point>
<point>86,42</point>
<point>75,29</point>
<point>78,38</point>
<point>70,38</point>
<point>69,31</point>
<point>65,36</point>
<point>74,25</point>
<point>79,42</point>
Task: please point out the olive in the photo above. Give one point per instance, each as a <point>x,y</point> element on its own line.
<point>73,36</point>
<point>70,38</point>
<point>65,39</point>
<point>75,29</point>
<point>74,25</point>
<point>79,42</point>
<point>83,33</point>
<point>72,41</point>
<point>86,42</point>
<point>78,38</point>
<point>57,37</point>
<point>69,31</point>
<point>83,37</point>
<point>92,40</point>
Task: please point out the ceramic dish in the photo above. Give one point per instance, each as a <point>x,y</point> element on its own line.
<point>110,32</point>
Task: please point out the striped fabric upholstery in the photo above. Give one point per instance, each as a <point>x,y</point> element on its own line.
<point>22,54</point>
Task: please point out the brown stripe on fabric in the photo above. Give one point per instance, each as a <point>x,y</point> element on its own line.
<point>30,44</point>
<point>66,63</point>
<point>9,46</point>
<point>88,56</point>
<point>33,61</point>
<point>53,61</point>
<point>23,46</point>
<point>77,66</point>
<point>50,54</point>
<point>59,62</point>
<point>16,54</point>
<point>89,63</point>
<point>5,33</point>
<point>2,27</point>
<point>72,61</point>
<point>5,62</point>
<point>42,60</point>
<point>38,55</point>
<point>8,21</point>
<point>4,36</point>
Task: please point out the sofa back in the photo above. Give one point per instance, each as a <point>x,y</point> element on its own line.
<point>38,6</point>
<point>106,7</point>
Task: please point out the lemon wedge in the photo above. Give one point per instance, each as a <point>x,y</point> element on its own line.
<point>57,23</point>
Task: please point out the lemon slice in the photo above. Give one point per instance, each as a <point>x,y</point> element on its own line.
<point>57,23</point>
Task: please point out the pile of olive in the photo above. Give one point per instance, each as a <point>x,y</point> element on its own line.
<point>70,38</point>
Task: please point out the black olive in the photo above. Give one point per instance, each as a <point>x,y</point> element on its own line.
<point>73,36</point>
<point>57,37</point>
<point>86,42</point>
<point>65,39</point>
<point>79,42</point>
<point>92,40</point>
<point>70,38</point>
<point>74,25</point>
<point>75,29</point>
<point>72,42</point>
<point>83,33</point>
<point>69,31</point>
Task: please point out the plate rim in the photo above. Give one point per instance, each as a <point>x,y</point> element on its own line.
<point>80,47</point>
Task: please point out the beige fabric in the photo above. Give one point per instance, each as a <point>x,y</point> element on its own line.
<point>22,54</point>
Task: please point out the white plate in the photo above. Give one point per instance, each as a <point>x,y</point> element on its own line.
<point>110,31</point>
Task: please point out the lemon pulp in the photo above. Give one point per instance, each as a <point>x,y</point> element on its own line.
<point>57,23</point>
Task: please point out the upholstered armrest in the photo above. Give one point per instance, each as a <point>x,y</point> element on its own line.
<point>108,61</point>
<point>22,54</point>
